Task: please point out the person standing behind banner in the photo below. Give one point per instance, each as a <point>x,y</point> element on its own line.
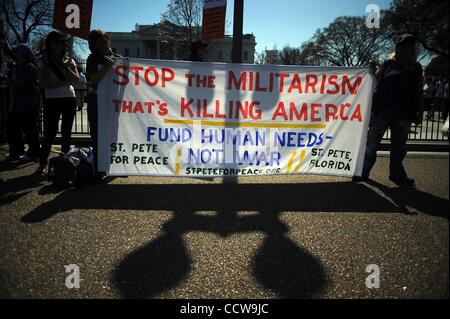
<point>23,118</point>
<point>57,73</point>
<point>398,102</point>
<point>98,63</point>
<point>198,51</point>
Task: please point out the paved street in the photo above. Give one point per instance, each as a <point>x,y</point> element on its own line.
<point>273,237</point>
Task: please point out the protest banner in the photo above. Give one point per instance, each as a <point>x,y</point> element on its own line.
<point>214,13</point>
<point>167,118</point>
<point>73,17</point>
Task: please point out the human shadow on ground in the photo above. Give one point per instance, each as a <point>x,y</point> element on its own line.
<point>13,189</point>
<point>405,197</point>
<point>8,164</point>
<point>280,265</point>
<point>315,197</point>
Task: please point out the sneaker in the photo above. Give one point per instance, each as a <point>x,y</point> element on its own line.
<point>99,176</point>
<point>402,181</point>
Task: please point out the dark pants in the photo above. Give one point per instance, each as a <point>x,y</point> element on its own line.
<point>399,136</point>
<point>20,124</point>
<point>54,109</point>
<point>92,110</point>
<point>445,106</point>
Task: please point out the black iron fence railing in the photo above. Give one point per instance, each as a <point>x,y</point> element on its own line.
<point>80,128</point>
<point>4,109</point>
<point>430,130</point>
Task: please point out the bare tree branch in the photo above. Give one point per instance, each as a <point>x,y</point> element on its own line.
<point>348,42</point>
<point>25,19</point>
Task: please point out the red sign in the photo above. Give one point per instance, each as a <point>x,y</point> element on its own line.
<point>73,17</point>
<point>214,12</point>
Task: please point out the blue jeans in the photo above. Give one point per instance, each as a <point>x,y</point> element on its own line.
<point>400,129</point>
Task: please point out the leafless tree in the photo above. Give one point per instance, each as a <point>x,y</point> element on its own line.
<point>26,21</point>
<point>261,57</point>
<point>186,14</point>
<point>427,20</point>
<point>311,54</point>
<point>29,21</point>
<point>349,42</point>
<point>289,56</point>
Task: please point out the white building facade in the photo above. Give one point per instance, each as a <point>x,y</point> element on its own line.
<point>149,42</point>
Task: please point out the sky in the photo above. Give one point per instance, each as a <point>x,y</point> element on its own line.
<point>274,23</point>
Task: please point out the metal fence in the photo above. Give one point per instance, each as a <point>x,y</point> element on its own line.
<point>4,109</point>
<point>80,128</point>
<point>429,131</point>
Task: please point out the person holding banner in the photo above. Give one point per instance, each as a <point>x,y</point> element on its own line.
<point>398,102</point>
<point>98,63</point>
<point>57,73</point>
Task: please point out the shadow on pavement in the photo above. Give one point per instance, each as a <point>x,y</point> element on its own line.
<point>156,267</point>
<point>410,196</point>
<point>318,197</point>
<point>16,188</point>
<point>279,265</point>
<point>9,165</point>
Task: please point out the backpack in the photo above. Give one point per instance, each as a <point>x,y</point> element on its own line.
<point>72,169</point>
<point>62,171</point>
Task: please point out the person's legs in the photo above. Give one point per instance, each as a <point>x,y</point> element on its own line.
<point>377,128</point>
<point>30,128</point>
<point>93,125</point>
<point>69,108</point>
<point>430,108</point>
<point>52,114</point>
<point>14,135</point>
<point>399,136</point>
<point>445,109</point>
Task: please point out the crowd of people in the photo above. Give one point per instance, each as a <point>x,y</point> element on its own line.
<point>51,82</point>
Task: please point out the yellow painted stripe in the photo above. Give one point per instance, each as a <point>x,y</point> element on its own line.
<point>178,162</point>
<point>243,124</point>
<point>302,157</point>
<point>291,161</point>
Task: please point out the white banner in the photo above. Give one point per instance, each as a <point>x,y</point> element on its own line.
<point>189,119</point>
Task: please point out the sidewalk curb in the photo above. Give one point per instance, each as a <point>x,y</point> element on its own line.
<point>420,146</point>
<point>437,155</point>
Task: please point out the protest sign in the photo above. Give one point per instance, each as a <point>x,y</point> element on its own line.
<point>214,13</point>
<point>211,119</point>
<point>73,17</point>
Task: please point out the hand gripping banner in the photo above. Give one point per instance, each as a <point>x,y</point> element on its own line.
<point>167,118</point>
